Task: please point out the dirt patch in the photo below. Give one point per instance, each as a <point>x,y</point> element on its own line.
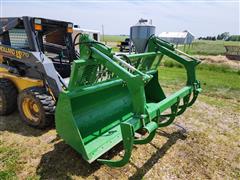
<point>202,144</point>
<point>219,60</point>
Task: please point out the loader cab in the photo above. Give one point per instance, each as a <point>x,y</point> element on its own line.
<point>55,41</point>
<point>52,37</point>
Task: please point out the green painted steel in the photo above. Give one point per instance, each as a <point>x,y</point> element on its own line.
<point>110,97</point>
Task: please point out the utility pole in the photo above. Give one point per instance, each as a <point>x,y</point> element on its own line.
<point>103,33</point>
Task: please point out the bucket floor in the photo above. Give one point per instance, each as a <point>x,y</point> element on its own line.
<point>103,143</point>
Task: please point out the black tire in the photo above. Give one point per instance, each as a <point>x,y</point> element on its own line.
<point>45,104</point>
<point>8,97</point>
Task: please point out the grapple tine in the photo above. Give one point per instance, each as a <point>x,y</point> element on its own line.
<point>128,139</point>
<point>195,95</point>
<point>151,128</point>
<point>183,107</point>
<point>171,116</point>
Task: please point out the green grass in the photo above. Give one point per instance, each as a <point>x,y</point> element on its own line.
<point>214,83</point>
<point>8,162</point>
<point>113,38</point>
<point>205,47</point>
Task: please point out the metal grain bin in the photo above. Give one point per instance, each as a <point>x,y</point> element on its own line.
<point>140,33</point>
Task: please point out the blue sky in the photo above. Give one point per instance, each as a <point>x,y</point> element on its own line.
<point>198,16</point>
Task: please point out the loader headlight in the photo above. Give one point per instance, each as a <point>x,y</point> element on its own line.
<point>37,24</point>
<point>70,28</point>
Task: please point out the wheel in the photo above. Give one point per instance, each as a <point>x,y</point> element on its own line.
<point>8,97</point>
<point>36,107</point>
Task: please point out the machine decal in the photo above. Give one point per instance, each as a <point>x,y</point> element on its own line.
<point>13,52</point>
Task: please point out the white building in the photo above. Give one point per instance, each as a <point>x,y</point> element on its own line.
<point>184,37</point>
<point>94,34</point>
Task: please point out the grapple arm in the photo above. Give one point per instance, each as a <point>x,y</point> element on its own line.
<point>159,45</point>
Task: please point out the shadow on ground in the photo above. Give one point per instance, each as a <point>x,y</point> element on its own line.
<point>64,162</point>
<point>172,139</point>
<point>13,123</point>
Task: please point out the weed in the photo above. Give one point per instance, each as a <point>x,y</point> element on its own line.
<point>9,162</point>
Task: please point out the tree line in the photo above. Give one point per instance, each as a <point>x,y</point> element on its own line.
<point>223,36</point>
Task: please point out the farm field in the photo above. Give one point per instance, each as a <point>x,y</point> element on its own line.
<point>206,47</point>
<point>198,47</point>
<point>203,143</point>
<point>113,38</point>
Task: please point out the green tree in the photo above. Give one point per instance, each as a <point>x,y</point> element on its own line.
<point>223,36</point>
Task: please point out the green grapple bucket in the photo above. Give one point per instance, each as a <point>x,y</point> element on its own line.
<point>110,97</point>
